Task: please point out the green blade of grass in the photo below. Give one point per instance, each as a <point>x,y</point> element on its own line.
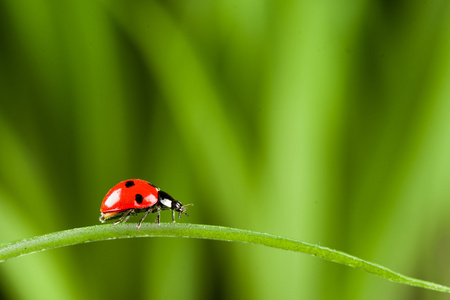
<point>107,232</point>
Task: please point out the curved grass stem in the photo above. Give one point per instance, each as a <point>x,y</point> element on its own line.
<point>106,232</point>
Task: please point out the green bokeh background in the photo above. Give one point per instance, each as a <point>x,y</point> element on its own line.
<point>322,121</point>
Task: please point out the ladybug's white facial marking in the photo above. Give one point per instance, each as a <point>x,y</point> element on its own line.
<point>166,202</point>
<point>113,198</point>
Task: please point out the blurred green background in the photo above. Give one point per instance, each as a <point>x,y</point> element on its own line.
<point>323,121</point>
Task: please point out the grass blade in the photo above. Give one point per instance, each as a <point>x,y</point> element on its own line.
<point>107,232</point>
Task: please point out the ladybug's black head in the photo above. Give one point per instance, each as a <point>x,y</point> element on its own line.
<point>180,208</point>
<point>169,203</point>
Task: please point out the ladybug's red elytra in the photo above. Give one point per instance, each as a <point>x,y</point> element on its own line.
<point>130,197</point>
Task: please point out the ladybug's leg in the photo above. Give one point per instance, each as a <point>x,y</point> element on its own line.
<point>124,217</point>
<point>158,213</point>
<point>143,217</point>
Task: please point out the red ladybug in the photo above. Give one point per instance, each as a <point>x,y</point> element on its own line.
<point>133,196</point>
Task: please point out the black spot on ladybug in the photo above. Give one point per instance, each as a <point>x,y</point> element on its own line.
<point>139,198</point>
<point>129,183</point>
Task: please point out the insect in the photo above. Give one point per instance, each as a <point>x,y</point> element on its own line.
<point>130,197</point>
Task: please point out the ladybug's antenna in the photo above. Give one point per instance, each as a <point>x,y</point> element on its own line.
<point>183,210</point>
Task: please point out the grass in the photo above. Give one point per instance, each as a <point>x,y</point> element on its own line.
<point>325,122</point>
<point>107,232</point>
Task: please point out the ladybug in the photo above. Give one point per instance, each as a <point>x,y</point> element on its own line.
<point>133,196</point>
